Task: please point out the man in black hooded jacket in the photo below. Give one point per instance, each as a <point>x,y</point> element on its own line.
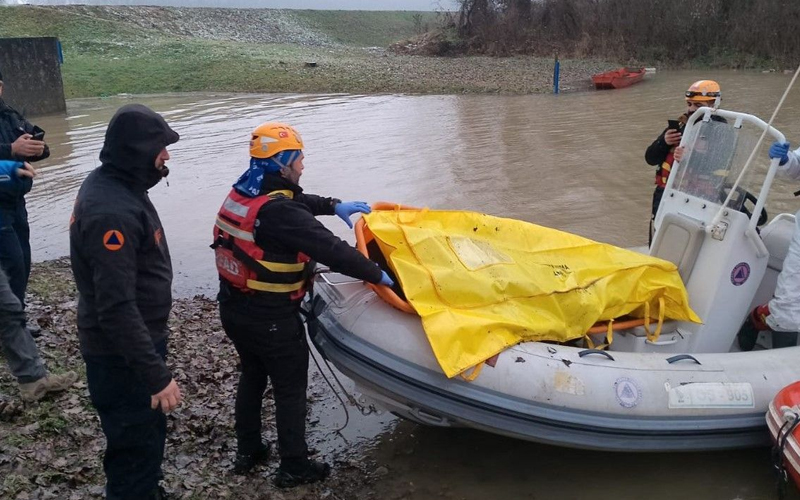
<point>123,272</point>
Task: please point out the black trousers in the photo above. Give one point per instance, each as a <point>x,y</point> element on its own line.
<point>276,350</point>
<point>135,434</point>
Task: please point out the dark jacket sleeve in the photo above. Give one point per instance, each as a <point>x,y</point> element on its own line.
<point>113,268</point>
<point>297,230</point>
<point>5,147</point>
<point>318,204</point>
<point>657,152</point>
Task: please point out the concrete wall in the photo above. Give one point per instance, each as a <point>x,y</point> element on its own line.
<point>32,75</point>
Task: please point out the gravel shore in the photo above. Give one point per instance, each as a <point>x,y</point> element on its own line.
<point>53,449</point>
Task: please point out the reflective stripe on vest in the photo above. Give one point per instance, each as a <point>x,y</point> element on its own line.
<point>275,287</point>
<point>663,171</point>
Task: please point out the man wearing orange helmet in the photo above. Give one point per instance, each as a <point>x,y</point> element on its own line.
<point>781,315</point>
<point>266,239</point>
<point>661,152</point>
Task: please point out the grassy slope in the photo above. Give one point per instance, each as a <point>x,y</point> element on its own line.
<point>109,57</point>
<point>366,29</point>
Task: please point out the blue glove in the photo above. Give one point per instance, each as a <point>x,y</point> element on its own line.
<point>778,150</point>
<point>345,209</point>
<point>8,170</point>
<point>385,279</point>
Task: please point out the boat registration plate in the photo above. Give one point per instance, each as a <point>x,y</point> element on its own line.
<point>711,395</point>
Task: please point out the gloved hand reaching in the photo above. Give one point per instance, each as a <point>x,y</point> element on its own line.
<point>778,150</point>
<point>385,279</point>
<point>345,209</point>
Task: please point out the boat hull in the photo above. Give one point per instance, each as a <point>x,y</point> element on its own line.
<point>425,395</point>
<point>780,417</point>
<point>617,79</point>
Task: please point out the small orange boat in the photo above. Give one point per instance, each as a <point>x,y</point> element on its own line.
<point>783,418</point>
<point>618,78</point>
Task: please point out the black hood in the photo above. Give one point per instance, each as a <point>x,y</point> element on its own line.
<point>135,137</point>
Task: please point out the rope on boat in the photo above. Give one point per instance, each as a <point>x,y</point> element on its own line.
<point>784,433</point>
<point>728,198</point>
<point>310,316</point>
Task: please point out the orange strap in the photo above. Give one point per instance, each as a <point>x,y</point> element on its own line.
<point>364,236</point>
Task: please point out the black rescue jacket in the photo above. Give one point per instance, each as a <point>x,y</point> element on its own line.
<point>12,126</point>
<point>119,251</point>
<point>286,226</point>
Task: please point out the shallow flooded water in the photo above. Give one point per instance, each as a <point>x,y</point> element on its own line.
<point>571,161</point>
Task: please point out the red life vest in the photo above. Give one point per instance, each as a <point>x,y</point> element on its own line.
<point>663,171</point>
<point>242,263</point>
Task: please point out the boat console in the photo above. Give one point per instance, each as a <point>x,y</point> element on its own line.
<point>708,226</point>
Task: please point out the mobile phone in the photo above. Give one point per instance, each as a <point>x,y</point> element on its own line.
<point>38,136</point>
<point>674,124</point>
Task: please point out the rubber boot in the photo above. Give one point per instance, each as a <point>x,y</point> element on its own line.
<point>309,472</point>
<point>245,462</point>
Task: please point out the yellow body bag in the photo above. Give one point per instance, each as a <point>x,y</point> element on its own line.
<point>482,284</point>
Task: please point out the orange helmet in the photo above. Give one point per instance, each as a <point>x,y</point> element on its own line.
<point>269,139</point>
<point>704,90</point>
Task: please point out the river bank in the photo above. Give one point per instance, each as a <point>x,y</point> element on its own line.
<point>144,50</point>
<point>53,449</point>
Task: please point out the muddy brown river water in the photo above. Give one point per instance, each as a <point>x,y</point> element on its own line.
<point>572,161</point>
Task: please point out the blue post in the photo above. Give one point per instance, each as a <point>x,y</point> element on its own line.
<point>556,71</point>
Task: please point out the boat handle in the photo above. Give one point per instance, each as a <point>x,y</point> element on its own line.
<point>429,418</point>
<point>681,357</point>
<point>587,352</point>
<point>662,342</point>
<point>331,283</point>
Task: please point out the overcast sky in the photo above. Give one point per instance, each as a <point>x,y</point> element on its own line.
<point>270,4</point>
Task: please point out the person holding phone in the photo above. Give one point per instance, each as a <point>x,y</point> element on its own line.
<point>19,141</point>
<point>661,153</point>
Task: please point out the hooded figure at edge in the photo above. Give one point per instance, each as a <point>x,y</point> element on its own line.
<point>123,272</point>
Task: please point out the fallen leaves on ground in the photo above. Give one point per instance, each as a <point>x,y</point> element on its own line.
<point>53,449</point>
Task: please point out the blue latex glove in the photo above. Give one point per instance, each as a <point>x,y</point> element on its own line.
<point>345,209</point>
<point>385,279</point>
<point>778,150</point>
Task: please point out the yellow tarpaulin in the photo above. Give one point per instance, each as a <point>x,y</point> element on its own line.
<point>483,283</point>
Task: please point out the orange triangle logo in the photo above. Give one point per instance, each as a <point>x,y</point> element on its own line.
<point>113,240</point>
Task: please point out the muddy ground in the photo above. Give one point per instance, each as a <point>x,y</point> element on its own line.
<point>53,449</point>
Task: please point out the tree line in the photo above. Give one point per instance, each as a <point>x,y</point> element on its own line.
<point>738,33</point>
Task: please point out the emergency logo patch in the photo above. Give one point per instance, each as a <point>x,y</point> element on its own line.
<point>113,240</point>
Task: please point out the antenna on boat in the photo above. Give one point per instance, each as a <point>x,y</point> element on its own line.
<point>722,208</point>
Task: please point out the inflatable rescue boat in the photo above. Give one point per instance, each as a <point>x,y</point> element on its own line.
<point>686,388</point>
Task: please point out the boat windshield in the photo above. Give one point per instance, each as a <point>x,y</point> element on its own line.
<point>716,152</point>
